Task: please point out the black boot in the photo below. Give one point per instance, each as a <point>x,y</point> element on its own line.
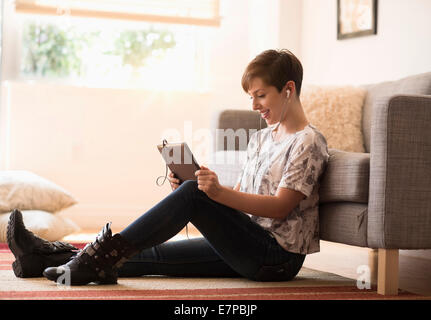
<point>34,254</point>
<point>97,262</point>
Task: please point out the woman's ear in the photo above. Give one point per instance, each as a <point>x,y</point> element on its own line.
<point>289,87</point>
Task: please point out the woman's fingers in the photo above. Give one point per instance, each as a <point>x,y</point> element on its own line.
<point>203,172</point>
<point>207,180</point>
<point>174,185</point>
<point>205,176</point>
<point>174,182</point>
<point>173,179</point>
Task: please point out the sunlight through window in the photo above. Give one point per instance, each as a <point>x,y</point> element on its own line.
<point>113,53</point>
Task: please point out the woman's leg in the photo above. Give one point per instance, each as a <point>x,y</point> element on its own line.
<point>242,244</point>
<point>245,246</point>
<point>184,258</point>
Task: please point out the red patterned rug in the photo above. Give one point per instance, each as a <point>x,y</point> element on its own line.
<point>308,285</point>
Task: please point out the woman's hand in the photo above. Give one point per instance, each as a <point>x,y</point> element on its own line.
<point>208,182</point>
<point>175,183</point>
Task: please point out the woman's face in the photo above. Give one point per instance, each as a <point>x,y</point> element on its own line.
<point>267,100</point>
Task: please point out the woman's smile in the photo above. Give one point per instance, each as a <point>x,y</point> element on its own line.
<point>265,113</point>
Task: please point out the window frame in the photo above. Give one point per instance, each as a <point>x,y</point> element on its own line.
<point>34,7</point>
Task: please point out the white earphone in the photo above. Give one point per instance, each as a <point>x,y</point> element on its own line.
<point>287,94</point>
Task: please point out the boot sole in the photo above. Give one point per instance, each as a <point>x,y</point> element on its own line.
<point>54,278</point>
<point>24,266</point>
<point>13,246</point>
<point>17,269</point>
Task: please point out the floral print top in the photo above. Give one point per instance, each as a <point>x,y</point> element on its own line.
<point>297,163</point>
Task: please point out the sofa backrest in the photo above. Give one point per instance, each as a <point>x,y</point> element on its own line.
<point>417,84</point>
<point>231,119</point>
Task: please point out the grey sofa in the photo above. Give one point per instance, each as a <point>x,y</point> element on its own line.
<point>380,199</point>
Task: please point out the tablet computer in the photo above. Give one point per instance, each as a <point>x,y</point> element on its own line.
<point>180,160</point>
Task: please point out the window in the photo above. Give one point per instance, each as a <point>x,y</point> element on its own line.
<point>110,52</point>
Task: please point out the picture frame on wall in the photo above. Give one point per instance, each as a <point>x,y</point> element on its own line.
<point>356,18</point>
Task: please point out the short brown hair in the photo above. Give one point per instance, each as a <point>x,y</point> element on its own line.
<point>275,68</point>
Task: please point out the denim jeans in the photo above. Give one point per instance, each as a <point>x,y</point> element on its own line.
<point>232,245</point>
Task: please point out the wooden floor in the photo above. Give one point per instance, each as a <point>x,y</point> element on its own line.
<point>343,260</point>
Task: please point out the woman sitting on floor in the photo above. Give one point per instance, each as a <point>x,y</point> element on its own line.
<point>262,229</point>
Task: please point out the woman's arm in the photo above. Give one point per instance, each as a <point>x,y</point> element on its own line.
<point>276,207</point>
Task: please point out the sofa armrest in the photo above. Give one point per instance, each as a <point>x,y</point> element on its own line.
<point>234,128</point>
<point>399,208</point>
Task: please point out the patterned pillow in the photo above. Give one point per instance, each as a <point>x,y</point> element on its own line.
<point>25,190</point>
<point>337,113</point>
<point>51,227</point>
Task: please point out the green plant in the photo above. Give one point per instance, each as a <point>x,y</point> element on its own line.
<point>50,50</point>
<point>136,46</point>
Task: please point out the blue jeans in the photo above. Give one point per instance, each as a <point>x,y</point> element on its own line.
<point>232,245</point>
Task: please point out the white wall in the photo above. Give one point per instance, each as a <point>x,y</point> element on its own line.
<point>275,24</point>
<point>401,47</point>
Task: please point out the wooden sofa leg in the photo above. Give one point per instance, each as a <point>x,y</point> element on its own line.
<point>387,274</point>
<point>373,263</point>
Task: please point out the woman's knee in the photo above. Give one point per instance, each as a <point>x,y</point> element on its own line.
<point>189,186</point>
<point>188,189</point>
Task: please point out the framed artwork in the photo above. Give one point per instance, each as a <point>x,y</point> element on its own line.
<point>356,18</point>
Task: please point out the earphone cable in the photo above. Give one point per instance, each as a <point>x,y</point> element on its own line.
<point>164,143</point>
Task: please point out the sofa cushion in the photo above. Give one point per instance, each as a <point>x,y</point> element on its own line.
<point>346,177</point>
<point>417,84</point>
<point>344,222</point>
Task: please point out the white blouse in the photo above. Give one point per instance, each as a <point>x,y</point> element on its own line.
<point>297,163</point>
